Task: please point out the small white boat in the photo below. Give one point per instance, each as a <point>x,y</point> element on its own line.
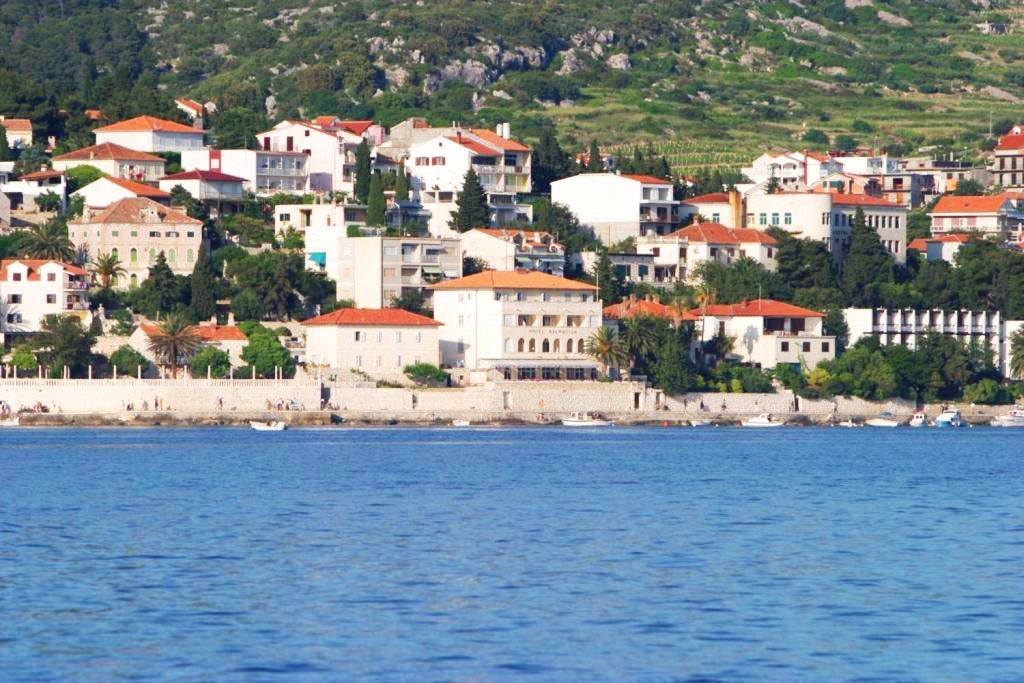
<point>586,420</point>
<point>949,418</point>
<point>699,423</point>
<point>883,420</point>
<point>1014,418</point>
<point>269,425</point>
<point>461,423</point>
<point>848,423</point>
<point>919,420</point>
<point>10,422</point>
<point>762,420</point>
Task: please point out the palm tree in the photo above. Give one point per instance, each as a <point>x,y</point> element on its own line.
<point>607,348</point>
<point>706,297</point>
<point>640,337</point>
<point>175,341</point>
<point>48,241</point>
<point>1017,354</point>
<point>107,268</point>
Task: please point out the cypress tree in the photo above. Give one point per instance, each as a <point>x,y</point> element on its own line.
<point>375,208</point>
<point>594,163</point>
<point>472,210</point>
<point>5,148</point>
<point>609,288</point>
<point>401,184</point>
<point>867,265</point>
<point>550,162</point>
<point>204,302</point>
<point>362,187</point>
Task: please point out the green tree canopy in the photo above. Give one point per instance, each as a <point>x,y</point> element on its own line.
<point>471,210</point>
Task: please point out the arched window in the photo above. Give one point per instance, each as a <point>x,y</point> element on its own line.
<point>152,255</point>
<point>533,345</point>
<point>558,346</point>
<point>568,345</point>
<point>191,256</point>
<point>133,281</point>
<point>545,347</point>
<point>133,255</point>
<point>172,256</point>
<point>113,252</point>
<point>522,345</point>
<point>581,346</point>
<point>508,344</point>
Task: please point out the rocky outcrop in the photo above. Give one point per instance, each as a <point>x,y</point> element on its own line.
<point>396,76</point>
<point>619,61</point>
<point>570,63</point>
<point>893,19</point>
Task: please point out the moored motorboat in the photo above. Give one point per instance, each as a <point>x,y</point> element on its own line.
<point>949,418</point>
<point>586,420</point>
<point>268,425</point>
<point>919,420</point>
<point>883,420</point>
<point>699,423</point>
<point>1014,418</point>
<point>762,420</point>
<point>10,421</point>
<point>848,423</point>
<point>461,423</point>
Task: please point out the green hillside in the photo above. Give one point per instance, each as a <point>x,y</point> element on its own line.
<point>704,80</point>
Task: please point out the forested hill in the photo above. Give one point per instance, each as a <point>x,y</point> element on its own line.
<point>618,70</point>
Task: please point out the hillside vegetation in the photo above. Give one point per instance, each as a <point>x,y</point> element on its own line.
<point>703,79</point>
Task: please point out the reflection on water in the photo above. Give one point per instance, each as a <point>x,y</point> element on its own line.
<point>501,554</point>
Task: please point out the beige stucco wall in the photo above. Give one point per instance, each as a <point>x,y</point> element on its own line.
<point>100,238</point>
<point>382,352</point>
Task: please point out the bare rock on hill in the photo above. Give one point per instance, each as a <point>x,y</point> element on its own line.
<point>1000,94</point>
<point>619,61</point>
<point>854,4</point>
<point>893,19</point>
<point>397,76</point>
<point>570,62</point>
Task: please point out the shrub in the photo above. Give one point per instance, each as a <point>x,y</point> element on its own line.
<point>128,361</point>
<point>218,362</point>
<point>24,359</point>
<point>425,374</point>
<point>986,391</point>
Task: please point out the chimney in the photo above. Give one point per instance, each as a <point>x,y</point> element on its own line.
<point>736,208</point>
<point>231,319</point>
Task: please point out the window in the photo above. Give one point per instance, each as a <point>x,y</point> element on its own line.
<point>52,277</point>
<point>509,320</point>
<point>358,335</point>
<point>14,317</point>
<point>716,218</point>
<point>787,218</point>
<point>14,298</point>
<point>462,320</point>
<point>437,161</point>
<point>51,298</point>
<point>545,346</point>
<point>191,256</point>
<point>16,277</point>
<point>762,219</point>
<point>380,338</point>
<point>359,361</point>
<point>398,337</point>
<point>135,233</point>
<point>422,161</point>
<point>115,233</point>
<point>419,337</point>
<point>785,347</point>
<point>133,255</point>
<point>824,347</point>
<point>806,347</point>
<point>154,233</point>
<point>190,234</point>
<point>775,219</point>
<point>378,361</point>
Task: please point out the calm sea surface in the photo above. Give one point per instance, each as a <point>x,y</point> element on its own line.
<point>510,554</point>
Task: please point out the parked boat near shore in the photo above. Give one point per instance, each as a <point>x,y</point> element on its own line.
<point>919,420</point>
<point>269,425</point>
<point>10,422</point>
<point>762,420</point>
<point>586,420</point>
<point>949,418</point>
<point>1014,418</point>
<point>883,420</point>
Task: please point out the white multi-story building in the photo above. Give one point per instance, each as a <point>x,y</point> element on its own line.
<point>619,207</point>
<point>31,289</point>
<point>791,169</point>
<point>114,160</point>
<point>828,217</point>
<point>373,271</point>
<point>137,231</point>
<point>150,134</point>
<point>941,247</point>
<point>438,167</point>
<point>996,216</point>
<point>212,187</point>
<point>330,145</point>
<point>867,164</point>
<point>510,249</point>
<point>24,191</point>
<point>908,327</point>
<point>1008,159</point>
<point>767,333</point>
<point>105,191</point>
<point>329,219</point>
<point>18,132</point>
<point>678,254</point>
<point>725,208</point>
<point>264,173</point>
<point>520,325</point>
<point>378,342</point>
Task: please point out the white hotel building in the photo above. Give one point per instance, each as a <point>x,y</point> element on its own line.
<point>31,289</point>
<point>519,325</point>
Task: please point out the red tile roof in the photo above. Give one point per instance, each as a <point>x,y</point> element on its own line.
<point>20,125</point>
<point>390,317</point>
<point>759,308</point>
<point>204,175</point>
<point>629,308</point>
<point>208,333</point>
<point>138,189</point>
<point>713,198</point>
<point>473,146</point>
<point>355,127</point>
<point>839,199</point>
<point>191,104</point>
<point>492,138</point>
<point>148,124</point>
<point>35,264</point>
<point>1010,143</point>
<point>93,114</point>
<point>517,279</point>
<point>921,243</point>
<point>646,179</point>
<point>129,210</point>
<point>42,175</point>
<point>528,235</point>
<point>716,233</point>
<point>107,151</point>
<point>969,204</point>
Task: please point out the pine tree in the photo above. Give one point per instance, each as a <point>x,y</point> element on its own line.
<point>472,211</point>
<point>609,287</point>
<point>550,162</point>
<point>594,163</point>
<point>160,288</point>
<point>204,299</point>
<point>375,208</point>
<point>867,265</point>
<point>401,184</point>
<point>362,187</point>
<point>5,149</point>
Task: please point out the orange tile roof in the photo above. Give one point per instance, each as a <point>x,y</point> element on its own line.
<point>389,317</point>
<point>191,104</point>
<point>148,124</point>
<point>212,176</point>
<point>969,204</point>
<point>921,243</point>
<point>35,264</point>
<point>473,146</point>
<point>1010,142</point>
<point>716,233</point>
<point>42,175</point>
<point>630,308</point>
<point>839,199</point>
<point>712,198</point>
<point>646,179</point>
<point>492,138</point>
<point>529,235</point>
<point>208,333</point>
<point>515,279</point>
<point>759,308</point>
<point>20,125</point>
<point>129,210</point>
<point>138,189</point>
<point>107,151</point>
<point>93,114</point>
<point>355,127</point>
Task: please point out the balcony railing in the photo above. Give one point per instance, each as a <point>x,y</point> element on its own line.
<point>77,306</point>
<point>76,284</point>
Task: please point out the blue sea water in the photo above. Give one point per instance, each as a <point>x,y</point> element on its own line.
<point>659,554</point>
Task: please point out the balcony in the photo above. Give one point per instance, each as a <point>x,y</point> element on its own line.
<point>76,285</point>
<point>76,306</point>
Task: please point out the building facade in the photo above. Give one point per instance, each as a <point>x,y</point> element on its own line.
<point>116,161</point>
<point>31,289</point>
<point>1008,159</point>
<point>265,173</point>
<point>511,249</point>
<point>18,132</point>
<point>103,192</point>
<point>678,255</point>
<point>150,134</point>
<point>619,207</point>
<point>996,216</point>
